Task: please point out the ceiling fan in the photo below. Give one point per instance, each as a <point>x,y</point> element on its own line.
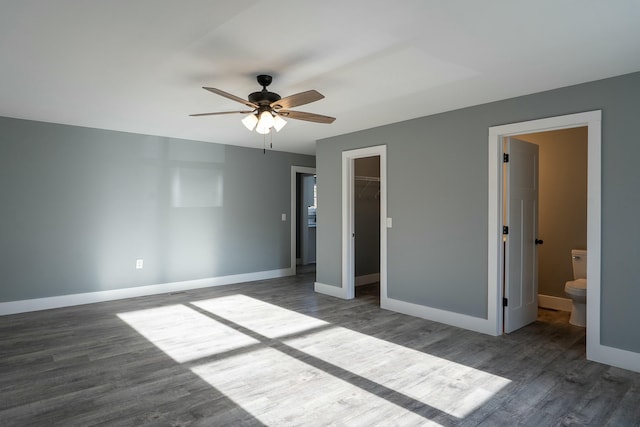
<point>268,108</point>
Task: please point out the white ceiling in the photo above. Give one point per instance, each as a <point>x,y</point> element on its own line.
<point>138,66</point>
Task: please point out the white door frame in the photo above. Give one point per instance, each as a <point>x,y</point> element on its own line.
<point>293,215</point>
<point>592,120</point>
<point>348,246</point>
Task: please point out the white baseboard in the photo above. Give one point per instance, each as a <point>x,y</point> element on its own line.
<point>367,279</point>
<point>464,321</point>
<point>554,303</point>
<point>614,356</point>
<point>447,317</point>
<point>333,291</point>
<point>23,306</point>
<point>595,351</point>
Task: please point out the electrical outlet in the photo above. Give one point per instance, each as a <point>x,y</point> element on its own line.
<point>139,263</point>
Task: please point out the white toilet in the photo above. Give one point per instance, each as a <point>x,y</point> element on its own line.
<point>577,288</point>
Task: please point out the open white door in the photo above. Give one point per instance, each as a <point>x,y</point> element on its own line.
<point>521,259</point>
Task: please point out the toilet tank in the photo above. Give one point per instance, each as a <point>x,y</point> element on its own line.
<point>579,262</point>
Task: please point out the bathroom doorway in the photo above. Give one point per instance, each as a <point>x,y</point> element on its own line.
<point>592,120</point>
<point>562,209</point>
<point>561,217</point>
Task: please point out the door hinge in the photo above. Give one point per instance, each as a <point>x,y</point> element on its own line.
<point>505,157</point>
<point>505,229</point>
<point>505,302</point>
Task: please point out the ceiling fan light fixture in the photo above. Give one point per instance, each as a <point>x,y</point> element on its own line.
<point>266,119</point>
<point>262,130</point>
<point>278,123</point>
<point>265,123</point>
<point>250,121</point>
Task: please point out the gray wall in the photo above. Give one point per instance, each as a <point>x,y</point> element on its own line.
<point>80,205</point>
<point>563,204</point>
<point>437,197</point>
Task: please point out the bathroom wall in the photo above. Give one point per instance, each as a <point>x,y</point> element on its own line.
<point>367,217</point>
<point>563,204</point>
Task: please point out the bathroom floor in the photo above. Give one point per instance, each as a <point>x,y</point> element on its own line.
<point>554,316</point>
<point>552,326</point>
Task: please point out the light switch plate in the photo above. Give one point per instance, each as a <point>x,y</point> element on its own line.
<point>389,223</point>
<point>284,216</point>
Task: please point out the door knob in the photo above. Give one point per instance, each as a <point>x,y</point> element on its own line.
<point>539,241</point>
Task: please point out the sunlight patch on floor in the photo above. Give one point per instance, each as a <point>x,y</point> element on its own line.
<point>445,385</point>
<point>184,334</point>
<point>448,386</point>
<point>281,390</point>
<point>267,319</point>
<point>288,367</point>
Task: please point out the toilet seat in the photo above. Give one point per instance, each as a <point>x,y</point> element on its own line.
<point>576,287</point>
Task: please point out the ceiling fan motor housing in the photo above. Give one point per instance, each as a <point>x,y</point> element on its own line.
<point>264,97</point>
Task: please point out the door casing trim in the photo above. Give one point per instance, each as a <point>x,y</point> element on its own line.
<point>591,119</point>
<point>348,275</point>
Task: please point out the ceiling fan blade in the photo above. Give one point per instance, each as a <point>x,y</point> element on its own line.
<point>221,112</point>
<point>298,99</point>
<point>228,95</point>
<point>310,117</point>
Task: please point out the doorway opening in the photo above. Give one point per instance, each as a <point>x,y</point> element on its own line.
<point>537,261</point>
<point>303,219</point>
<point>592,121</point>
<point>364,222</point>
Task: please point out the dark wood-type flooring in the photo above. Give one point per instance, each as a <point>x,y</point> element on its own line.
<point>275,353</point>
